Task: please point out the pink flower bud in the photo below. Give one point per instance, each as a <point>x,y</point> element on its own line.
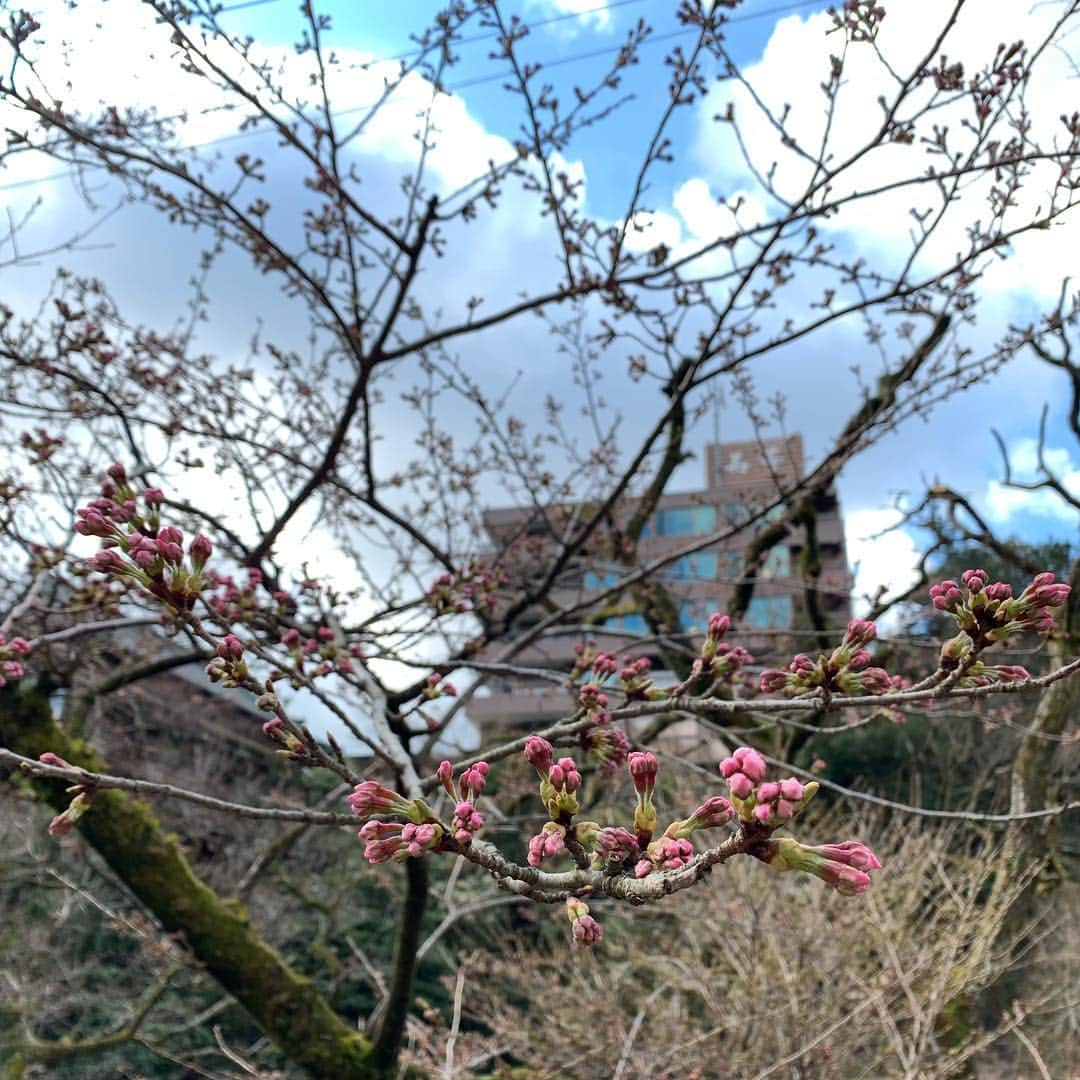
<point>773,680</point>
<point>587,931</point>
<point>108,562</point>
<point>860,632</point>
<point>539,753</point>
<point>643,768</point>
<point>117,472</point>
<point>571,778</point>
<point>768,791</point>
<point>750,762</point>
<point>791,789</point>
<point>851,853</point>
<point>713,813</point>
<point>616,844</point>
<point>974,580</point>
<point>740,785</point>
<point>230,647</point>
<point>860,659</point>
<point>154,497</point>
<point>200,549</point>
<point>371,797</point>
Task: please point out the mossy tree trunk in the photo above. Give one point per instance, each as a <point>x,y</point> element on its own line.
<point>285,1005</point>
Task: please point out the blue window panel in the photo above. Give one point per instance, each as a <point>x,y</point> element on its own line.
<point>731,561</point>
<point>769,612</point>
<point>700,566</point>
<point>682,521</point>
<point>693,615</point>
<point>704,520</point>
<point>634,624</point>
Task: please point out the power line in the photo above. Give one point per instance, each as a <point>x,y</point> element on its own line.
<point>462,84</point>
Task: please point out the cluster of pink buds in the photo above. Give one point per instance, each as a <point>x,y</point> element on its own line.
<point>473,589</point>
<point>1006,70</point>
<point>745,768</point>
<point>549,842</point>
<point>859,19</point>
<point>605,665</point>
<point>420,833</point>
<point>585,656</point>
<point>673,849</point>
<point>664,853</point>
<point>777,800</point>
<point>83,799</point>
<point>719,661</point>
<point>643,768</point>
<point>320,650</point>
<point>229,667</point>
<point>467,819</point>
<point>239,601</point>
<point>614,846</point>
<point>846,670</point>
<point>41,445</point>
<point>636,684</point>
<point>559,780</point>
<point>594,701</point>
<point>12,655</point>
<point>989,612</point>
<point>766,802</point>
<point>846,867</point>
<point>391,840</point>
<point>137,546</point>
<point>585,929</point>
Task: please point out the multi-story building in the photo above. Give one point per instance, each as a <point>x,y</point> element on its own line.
<point>741,478</point>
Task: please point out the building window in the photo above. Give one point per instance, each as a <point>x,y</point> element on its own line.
<point>769,612</point>
<point>701,566</point>
<point>693,615</point>
<point>731,562</point>
<point>632,624</point>
<point>682,521</point>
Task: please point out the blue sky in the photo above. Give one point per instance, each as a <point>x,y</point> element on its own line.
<point>783,46</point>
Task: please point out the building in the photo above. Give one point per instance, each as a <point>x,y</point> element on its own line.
<point>741,478</point>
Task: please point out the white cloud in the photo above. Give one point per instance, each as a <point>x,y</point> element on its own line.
<point>879,558</point>
<point>151,77</point>
<point>586,14</point>
<point>1004,503</point>
<point>789,75</point>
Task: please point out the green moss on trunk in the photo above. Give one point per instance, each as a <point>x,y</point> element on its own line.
<point>286,1006</point>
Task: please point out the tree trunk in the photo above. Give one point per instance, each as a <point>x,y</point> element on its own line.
<point>285,1005</point>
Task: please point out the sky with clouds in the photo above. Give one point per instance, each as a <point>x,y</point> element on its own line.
<point>783,48</point>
